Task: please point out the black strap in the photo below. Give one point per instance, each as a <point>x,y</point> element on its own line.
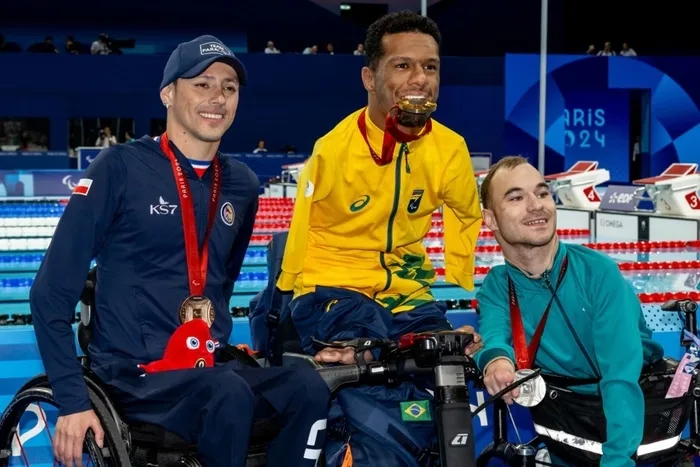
<point>424,457</point>
<point>664,367</point>
<point>567,381</point>
<point>577,339</point>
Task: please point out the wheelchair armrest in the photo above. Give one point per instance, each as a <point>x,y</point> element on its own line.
<point>665,365</point>
<point>290,359</point>
<point>84,337</point>
<point>662,368</point>
<point>230,352</point>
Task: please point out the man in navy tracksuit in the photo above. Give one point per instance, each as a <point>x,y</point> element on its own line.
<point>143,211</point>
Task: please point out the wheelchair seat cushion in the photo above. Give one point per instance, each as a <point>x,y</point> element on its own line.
<point>146,435</point>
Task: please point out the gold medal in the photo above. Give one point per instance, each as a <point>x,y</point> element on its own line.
<point>197,306</point>
<point>416,105</point>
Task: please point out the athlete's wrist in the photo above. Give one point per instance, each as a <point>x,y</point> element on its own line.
<point>499,361</point>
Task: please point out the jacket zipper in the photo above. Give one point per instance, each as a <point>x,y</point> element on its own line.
<point>397,197</point>
<point>408,167</point>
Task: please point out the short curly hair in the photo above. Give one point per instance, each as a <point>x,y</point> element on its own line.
<point>396,23</point>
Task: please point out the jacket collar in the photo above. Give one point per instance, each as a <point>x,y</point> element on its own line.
<point>187,166</point>
<point>375,135</point>
<point>521,280</point>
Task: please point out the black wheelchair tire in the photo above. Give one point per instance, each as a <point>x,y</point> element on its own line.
<point>112,439</point>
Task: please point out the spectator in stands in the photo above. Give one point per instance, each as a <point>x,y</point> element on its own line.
<point>128,138</point>
<point>8,46</point>
<point>100,46</point>
<point>261,147</point>
<point>607,51</point>
<point>72,47</point>
<point>46,47</point>
<point>106,138</point>
<point>627,51</point>
<point>271,49</point>
<point>591,50</point>
<point>329,48</point>
<point>360,50</point>
<point>24,143</point>
<point>311,50</point>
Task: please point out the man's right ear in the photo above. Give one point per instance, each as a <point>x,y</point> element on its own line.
<point>166,95</point>
<point>489,219</point>
<point>368,79</point>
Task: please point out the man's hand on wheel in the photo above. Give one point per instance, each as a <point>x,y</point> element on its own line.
<point>498,375</point>
<point>345,356</point>
<point>476,345</point>
<point>70,435</point>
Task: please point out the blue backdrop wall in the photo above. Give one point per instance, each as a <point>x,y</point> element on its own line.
<point>291,99</point>
<point>588,110</point>
<point>294,99</point>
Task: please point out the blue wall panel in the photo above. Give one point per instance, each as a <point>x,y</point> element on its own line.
<point>291,99</point>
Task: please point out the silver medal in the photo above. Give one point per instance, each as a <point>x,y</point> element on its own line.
<point>532,392</point>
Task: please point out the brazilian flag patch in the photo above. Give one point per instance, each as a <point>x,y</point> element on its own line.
<point>415,411</point>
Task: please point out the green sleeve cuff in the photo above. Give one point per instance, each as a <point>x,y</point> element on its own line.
<point>487,355</point>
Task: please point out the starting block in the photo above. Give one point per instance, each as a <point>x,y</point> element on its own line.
<point>480,176</point>
<point>286,186</point>
<point>290,172</point>
<point>675,191</point>
<point>575,188</point>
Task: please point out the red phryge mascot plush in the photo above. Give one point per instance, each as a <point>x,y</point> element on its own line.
<point>190,346</point>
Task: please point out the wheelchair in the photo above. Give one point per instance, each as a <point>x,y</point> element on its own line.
<point>126,443</point>
<point>664,418</point>
<point>275,335</point>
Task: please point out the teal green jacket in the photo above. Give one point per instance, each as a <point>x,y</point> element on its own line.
<point>605,312</point>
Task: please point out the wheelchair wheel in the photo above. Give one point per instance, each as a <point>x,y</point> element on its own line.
<point>113,454</point>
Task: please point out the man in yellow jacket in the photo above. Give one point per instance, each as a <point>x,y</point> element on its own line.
<point>354,257</point>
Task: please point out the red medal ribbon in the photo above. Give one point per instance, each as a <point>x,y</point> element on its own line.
<point>196,263</point>
<point>392,134</point>
<point>524,354</point>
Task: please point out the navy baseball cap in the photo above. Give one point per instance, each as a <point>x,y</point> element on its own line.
<point>191,58</point>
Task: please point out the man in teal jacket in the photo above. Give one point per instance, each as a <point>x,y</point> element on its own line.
<point>595,328</point>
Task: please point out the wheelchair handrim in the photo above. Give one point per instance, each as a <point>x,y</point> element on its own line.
<point>17,407</point>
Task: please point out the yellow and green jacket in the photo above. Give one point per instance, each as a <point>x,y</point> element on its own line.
<point>360,227</point>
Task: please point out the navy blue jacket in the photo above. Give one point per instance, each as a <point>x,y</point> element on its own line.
<point>130,222</point>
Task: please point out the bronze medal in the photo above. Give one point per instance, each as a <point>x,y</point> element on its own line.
<point>197,306</point>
